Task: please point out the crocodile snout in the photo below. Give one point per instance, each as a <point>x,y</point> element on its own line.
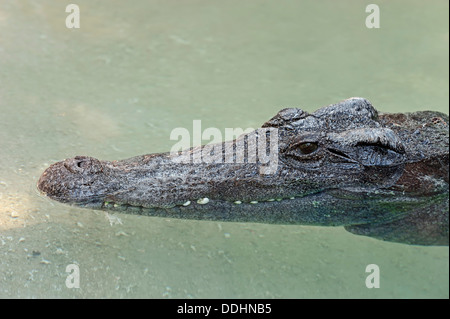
<point>83,165</point>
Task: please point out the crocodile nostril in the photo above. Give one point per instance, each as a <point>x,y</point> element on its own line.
<point>81,164</point>
<point>85,163</point>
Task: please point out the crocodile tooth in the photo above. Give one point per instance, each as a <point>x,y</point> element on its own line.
<point>292,197</point>
<point>254,202</point>
<point>271,200</point>
<point>187,203</point>
<point>238,202</point>
<point>203,201</point>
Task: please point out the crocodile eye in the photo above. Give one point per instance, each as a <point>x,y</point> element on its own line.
<point>308,147</point>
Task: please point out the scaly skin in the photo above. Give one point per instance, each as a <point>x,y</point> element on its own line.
<point>379,175</point>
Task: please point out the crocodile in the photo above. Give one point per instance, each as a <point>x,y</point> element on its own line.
<point>382,175</point>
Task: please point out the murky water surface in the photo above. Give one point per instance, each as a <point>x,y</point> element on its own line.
<point>116,88</point>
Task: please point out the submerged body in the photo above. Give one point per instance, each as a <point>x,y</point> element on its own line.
<point>379,175</point>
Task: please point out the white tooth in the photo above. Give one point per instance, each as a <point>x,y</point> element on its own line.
<point>203,201</point>
<point>254,202</point>
<point>116,205</point>
<point>271,200</point>
<point>187,203</point>
<point>238,202</point>
<point>279,199</point>
<point>292,197</point>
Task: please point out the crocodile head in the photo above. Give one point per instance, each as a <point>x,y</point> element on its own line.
<point>380,175</point>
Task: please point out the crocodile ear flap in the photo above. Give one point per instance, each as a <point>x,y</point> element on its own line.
<point>285,116</point>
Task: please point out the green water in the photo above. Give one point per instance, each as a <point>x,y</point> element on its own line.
<point>133,71</point>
